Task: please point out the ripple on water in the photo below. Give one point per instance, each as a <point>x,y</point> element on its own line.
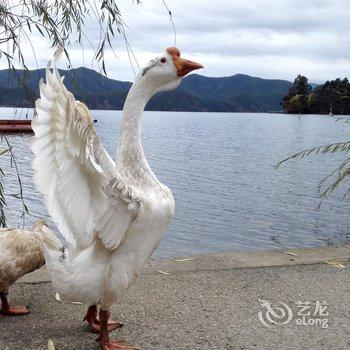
<point>219,166</point>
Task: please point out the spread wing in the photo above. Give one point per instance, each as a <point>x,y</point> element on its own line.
<point>83,191</point>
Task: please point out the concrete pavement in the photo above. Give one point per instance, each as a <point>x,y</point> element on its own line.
<point>207,302</point>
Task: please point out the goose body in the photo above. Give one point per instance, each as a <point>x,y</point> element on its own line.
<point>96,275</point>
<point>21,253</point>
<point>113,215</point>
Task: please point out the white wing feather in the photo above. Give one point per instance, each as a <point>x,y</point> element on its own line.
<point>83,192</point>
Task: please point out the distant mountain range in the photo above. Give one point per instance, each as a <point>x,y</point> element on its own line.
<point>237,93</point>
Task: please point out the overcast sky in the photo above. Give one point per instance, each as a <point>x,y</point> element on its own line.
<point>269,39</point>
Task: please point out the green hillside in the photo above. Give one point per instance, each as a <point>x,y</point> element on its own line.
<point>237,93</point>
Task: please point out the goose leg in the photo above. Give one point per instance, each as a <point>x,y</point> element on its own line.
<point>94,322</point>
<point>6,309</point>
<point>103,338</point>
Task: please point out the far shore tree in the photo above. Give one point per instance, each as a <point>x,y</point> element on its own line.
<point>332,96</point>
<point>296,99</point>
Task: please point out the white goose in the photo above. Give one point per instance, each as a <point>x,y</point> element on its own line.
<point>113,215</point>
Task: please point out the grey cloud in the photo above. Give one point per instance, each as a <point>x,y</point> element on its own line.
<point>276,39</point>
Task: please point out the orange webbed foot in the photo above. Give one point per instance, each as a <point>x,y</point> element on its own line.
<point>117,345</point>
<point>112,325</point>
<point>15,310</point>
<point>103,338</point>
<point>94,321</point>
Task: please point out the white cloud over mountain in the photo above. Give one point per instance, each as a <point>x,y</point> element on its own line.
<point>270,39</point>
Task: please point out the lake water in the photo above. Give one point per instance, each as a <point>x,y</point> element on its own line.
<point>220,169</point>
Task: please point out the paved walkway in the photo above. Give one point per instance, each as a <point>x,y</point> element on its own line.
<point>209,302</point>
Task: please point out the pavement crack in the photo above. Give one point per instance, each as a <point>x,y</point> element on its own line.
<point>33,283</point>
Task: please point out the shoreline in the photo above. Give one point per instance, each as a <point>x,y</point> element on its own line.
<point>233,260</point>
<point>203,111</point>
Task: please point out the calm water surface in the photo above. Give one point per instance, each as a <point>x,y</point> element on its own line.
<point>220,169</point>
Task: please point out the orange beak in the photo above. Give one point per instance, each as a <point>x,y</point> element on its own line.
<point>183,66</point>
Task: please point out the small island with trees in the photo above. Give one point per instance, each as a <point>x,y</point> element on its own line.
<point>331,97</point>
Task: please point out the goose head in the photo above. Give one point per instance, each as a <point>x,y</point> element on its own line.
<point>166,71</point>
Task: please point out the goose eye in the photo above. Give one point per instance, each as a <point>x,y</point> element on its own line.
<point>163,60</point>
